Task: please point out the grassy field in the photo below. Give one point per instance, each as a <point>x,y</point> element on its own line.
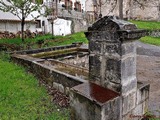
<point>21,98</point>
<point>151,40</point>
<point>18,41</point>
<point>149,25</point>
<point>77,37</point>
<point>48,40</point>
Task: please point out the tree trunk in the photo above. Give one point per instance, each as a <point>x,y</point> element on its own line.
<point>121,9</point>
<point>159,11</point>
<point>72,26</point>
<point>22,25</point>
<point>52,28</point>
<point>56,8</point>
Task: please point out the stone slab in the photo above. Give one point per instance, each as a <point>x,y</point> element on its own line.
<point>95,92</point>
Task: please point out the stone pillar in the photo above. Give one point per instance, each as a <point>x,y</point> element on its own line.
<point>112,59</point>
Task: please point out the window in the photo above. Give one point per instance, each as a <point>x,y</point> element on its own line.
<point>38,23</point>
<point>77,6</point>
<point>68,4</point>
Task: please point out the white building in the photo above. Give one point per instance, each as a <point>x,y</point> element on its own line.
<point>9,22</point>
<point>68,17</point>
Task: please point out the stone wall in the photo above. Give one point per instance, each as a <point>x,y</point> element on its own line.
<point>46,49</point>
<point>144,10</point>
<point>86,104</point>
<point>154,33</point>
<point>141,10</point>
<point>78,61</point>
<point>78,25</point>
<point>142,97</point>
<point>54,78</point>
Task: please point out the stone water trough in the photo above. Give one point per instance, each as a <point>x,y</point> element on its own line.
<point>61,67</point>
<point>100,78</point>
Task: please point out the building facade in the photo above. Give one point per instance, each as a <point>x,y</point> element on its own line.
<point>132,9</point>
<point>67,16</point>
<point>10,22</point>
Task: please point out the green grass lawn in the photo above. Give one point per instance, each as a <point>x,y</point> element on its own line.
<point>49,39</point>
<point>18,41</point>
<point>151,40</point>
<point>69,39</point>
<point>148,25</point>
<point>21,98</point>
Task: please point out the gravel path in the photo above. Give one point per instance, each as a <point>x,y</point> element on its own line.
<point>146,49</point>
<point>148,70</point>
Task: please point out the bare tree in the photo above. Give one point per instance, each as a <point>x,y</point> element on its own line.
<point>121,9</point>
<point>100,4</point>
<point>111,5</point>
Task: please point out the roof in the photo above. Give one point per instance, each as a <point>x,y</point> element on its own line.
<point>9,20</point>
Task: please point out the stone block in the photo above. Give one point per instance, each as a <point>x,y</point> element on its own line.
<point>142,92</point>
<point>61,88</point>
<point>128,68</point>
<point>112,48</point>
<point>128,48</point>
<point>112,110</point>
<point>95,79</point>
<point>95,47</point>
<point>138,110</point>
<point>102,36</point>
<point>95,65</point>
<point>64,79</point>
<point>128,103</point>
<point>113,86</point>
<point>82,108</point>
<point>88,104</point>
<point>55,85</point>
<point>113,70</point>
<point>145,106</point>
<point>129,86</point>
<point>67,90</point>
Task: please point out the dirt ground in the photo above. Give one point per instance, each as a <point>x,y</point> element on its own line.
<point>148,70</point>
